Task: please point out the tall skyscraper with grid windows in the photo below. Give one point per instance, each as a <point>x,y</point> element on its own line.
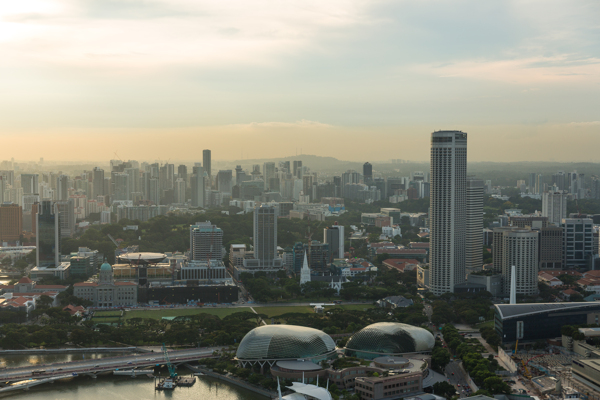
<point>448,196</point>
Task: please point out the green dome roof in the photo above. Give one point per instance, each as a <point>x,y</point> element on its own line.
<point>105,267</point>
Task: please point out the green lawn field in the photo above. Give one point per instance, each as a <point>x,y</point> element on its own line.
<point>178,312</point>
<point>107,314</point>
<point>223,312</point>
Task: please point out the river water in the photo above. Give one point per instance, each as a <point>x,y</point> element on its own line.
<point>109,387</point>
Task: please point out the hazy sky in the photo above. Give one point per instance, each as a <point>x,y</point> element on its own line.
<point>357,80</point>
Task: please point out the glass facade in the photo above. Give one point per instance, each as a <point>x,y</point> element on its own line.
<point>48,235</point>
<point>388,338</point>
<point>285,342</point>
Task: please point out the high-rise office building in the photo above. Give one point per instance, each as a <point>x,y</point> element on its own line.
<point>474,235</point>
<point>448,210</point>
<point>66,217</point>
<point>265,235</point>
<point>62,187</point>
<point>520,248</point>
<point>554,206</point>
<point>348,178</point>
<point>9,177</point>
<point>179,191</point>
<point>225,182</point>
<point>368,173</point>
<point>551,247</point>
<point>3,186</point>
<point>206,242</point>
<point>11,222</point>
<point>539,184</point>
<point>206,163</point>
<point>297,165</point>
<point>133,181</point>
<point>30,183</point>
<point>578,242</point>
<point>268,174</point>
<point>154,191</point>
<point>334,237</point>
<point>307,187</point>
<point>47,234</point>
<point>120,186</point>
<point>560,180</point>
<point>198,186</point>
<point>98,182</point>
<point>182,173</point>
<point>595,188</point>
<point>531,182</point>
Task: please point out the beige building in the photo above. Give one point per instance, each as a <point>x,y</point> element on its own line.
<point>106,292</point>
<point>11,222</point>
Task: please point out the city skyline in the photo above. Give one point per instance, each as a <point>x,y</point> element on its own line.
<point>520,75</point>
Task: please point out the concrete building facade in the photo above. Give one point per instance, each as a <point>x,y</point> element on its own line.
<point>474,232</point>
<point>448,210</point>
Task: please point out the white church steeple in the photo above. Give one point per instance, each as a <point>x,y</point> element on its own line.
<point>305,273</point>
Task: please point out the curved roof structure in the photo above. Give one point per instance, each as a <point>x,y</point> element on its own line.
<point>105,267</point>
<point>284,342</point>
<point>142,258</point>
<point>390,338</point>
<point>300,389</point>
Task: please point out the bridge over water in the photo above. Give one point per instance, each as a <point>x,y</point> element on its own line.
<point>93,367</point>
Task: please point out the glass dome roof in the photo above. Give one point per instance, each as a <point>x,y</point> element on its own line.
<point>284,342</point>
<point>391,338</point>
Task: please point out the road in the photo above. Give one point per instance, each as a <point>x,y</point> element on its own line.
<point>457,378</point>
<point>104,364</point>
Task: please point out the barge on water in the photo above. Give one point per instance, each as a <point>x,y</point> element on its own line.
<point>172,383</point>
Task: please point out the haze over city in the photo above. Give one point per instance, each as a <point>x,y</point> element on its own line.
<point>347,79</point>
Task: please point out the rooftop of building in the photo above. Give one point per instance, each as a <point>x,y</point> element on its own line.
<point>516,310</point>
<point>402,251</point>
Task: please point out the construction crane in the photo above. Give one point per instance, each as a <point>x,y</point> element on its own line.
<point>526,373</point>
<point>171,367</point>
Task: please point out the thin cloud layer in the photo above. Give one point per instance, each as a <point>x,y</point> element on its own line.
<point>388,70</point>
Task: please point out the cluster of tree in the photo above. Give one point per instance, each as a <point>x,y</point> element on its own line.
<point>440,356</point>
<point>467,307</point>
<point>482,370</point>
<point>20,264</point>
<point>371,286</point>
<point>444,389</point>
<point>54,333</point>
<point>572,331</point>
<point>489,334</point>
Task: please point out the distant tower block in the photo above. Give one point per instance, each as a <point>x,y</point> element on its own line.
<point>513,285</point>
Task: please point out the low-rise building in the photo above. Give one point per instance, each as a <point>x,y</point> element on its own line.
<point>590,284</point>
<point>423,276</point>
<point>391,386</point>
<point>106,292</point>
<point>491,281</point>
<point>61,271</point>
<point>375,219</point>
<point>548,279</point>
<point>26,285</point>
<point>417,254</point>
<point>402,265</point>
<point>394,302</point>
<point>236,254</point>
